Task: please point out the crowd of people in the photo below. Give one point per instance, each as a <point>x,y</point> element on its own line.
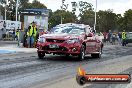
<point>115,38</point>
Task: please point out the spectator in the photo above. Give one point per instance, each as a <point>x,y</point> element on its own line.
<point>109,36</point>
<point>13,34</point>
<point>113,38</point>
<point>31,35</point>
<point>105,34</point>
<point>119,37</point>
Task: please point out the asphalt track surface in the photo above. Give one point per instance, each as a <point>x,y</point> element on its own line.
<point>26,70</point>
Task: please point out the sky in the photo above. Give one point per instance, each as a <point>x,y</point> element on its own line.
<point>118,6</point>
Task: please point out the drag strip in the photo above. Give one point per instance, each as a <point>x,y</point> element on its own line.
<point>26,70</point>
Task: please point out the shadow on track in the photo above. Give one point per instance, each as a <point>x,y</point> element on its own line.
<point>61,58</point>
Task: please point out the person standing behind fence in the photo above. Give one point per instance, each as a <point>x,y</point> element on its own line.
<point>30,35</point>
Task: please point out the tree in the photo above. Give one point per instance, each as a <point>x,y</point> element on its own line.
<point>2,10</point>
<point>120,22</point>
<point>11,7</point>
<point>82,6</point>
<point>87,17</point>
<point>127,20</point>
<point>55,17</point>
<point>37,5</point>
<point>106,20</point>
<point>2,2</point>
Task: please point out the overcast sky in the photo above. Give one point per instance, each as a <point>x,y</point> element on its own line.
<point>118,6</point>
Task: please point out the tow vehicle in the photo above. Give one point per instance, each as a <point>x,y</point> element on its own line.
<point>75,39</point>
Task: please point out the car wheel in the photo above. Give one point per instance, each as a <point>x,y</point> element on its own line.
<point>81,56</point>
<point>97,55</point>
<point>41,56</point>
<point>93,55</point>
<point>67,55</point>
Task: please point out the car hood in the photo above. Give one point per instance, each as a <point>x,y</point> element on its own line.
<point>61,36</point>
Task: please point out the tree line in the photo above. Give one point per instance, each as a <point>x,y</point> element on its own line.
<point>106,20</point>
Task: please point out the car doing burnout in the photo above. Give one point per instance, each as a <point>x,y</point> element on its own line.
<point>72,40</point>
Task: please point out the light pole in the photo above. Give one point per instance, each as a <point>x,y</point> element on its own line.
<point>16,9</point>
<point>16,21</point>
<point>6,3</point>
<point>95,16</point>
<point>61,11</point>
<point>5,12</point>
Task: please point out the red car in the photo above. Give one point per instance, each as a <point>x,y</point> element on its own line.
<point>76,41</point>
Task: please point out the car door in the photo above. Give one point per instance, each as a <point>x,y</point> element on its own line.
<point>90,44</point>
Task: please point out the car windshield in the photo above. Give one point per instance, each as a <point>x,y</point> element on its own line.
<point>56,30</point>
<point>73,30</point>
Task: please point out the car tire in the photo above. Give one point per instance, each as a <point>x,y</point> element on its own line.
<point>98,55</point>
<point>81,56</point>
<point>67,55</point>
<point>41,56</point>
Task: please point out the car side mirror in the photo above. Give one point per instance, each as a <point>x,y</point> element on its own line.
<point>89,35</point>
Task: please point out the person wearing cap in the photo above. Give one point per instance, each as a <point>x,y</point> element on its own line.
<point>31,34</point>
<point>123,38</point>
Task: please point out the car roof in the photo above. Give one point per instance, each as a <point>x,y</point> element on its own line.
<point>72,25</point>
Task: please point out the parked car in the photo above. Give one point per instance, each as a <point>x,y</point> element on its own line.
<point>129,37</point>
<point>71,41</point>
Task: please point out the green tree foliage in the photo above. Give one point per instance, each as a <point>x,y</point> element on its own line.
<point>127,21</point>
<point>120,22</point>
<point>23,4</point>
<point>55,17</point>
<point>2,1</point>
<point>106,20</point>
<point>87,17</point>
<point>84,6</point>
<point>2,10</point>
<point>36,4</point>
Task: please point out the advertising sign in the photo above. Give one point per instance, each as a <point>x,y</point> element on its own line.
<point>10,25</point>
<point>13,24</point>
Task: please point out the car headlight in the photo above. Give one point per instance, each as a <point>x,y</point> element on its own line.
<point>41,39</point>
<point>75,40</point>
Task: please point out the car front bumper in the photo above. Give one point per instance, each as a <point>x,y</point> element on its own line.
<point>71,49</point>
